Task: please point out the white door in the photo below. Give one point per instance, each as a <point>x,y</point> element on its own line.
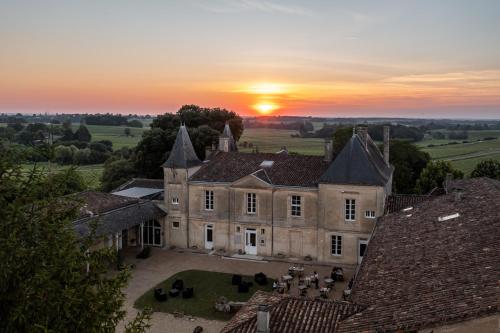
<point>362,245</point>
<point>250,241</point>
<point>209,236</point>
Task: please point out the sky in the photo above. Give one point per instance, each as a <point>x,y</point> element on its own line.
<point>398,58</point>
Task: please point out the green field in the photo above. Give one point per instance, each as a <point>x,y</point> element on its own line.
<point>270,140</point>
<point>115,134</point>
<point>91,173</point>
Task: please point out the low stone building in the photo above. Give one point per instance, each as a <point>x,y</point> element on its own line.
<point>320,207</point>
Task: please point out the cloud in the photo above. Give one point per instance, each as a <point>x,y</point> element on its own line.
<point>267,6</point>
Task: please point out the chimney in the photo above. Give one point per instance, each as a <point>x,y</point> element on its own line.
<point>447,182</point>
<point>387,130</point>
<point>363,134</point>
<point>328,150</point>
<point>263,319</point>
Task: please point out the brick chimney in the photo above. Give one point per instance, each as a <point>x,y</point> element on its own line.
<point>328,150</point>
<point>387,132</point>
<point>263,319</point>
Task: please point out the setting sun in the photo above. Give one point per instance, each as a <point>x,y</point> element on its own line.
<point>265,108</point>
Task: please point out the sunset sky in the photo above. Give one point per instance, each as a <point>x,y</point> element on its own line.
<point>327,58</point>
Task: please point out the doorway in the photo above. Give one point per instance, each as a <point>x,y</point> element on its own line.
<point>152,233</point>
<point>209,236</point>
<point>362,245</point>
<point>251,241</point>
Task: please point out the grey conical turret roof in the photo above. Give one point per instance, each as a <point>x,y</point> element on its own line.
<point>229,135</point>
<point>182,154</point>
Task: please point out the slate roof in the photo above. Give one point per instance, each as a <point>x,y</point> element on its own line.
<point>287,170</point>
<point>226,133</point>
<point>113,213</point>
<point>141,182</point>
<point>140,192</point>
<point>419,272</point>
<point>358,164</point>
<point>182,154</point>
<point>397,202</point>
<point>291,314</point>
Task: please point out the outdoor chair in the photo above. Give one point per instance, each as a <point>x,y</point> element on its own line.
<point>188,293</point>
<point>243,287</point>
<point>236,280</point>
<point>160,295</point>
<point>174,292</point>
<point>178,284</point>
<point>145,253</point>
<point>260,279</point>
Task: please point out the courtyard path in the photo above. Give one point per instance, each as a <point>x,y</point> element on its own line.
<point>164,263</point>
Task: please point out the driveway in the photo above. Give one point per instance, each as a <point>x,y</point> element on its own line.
<point>164,263</point>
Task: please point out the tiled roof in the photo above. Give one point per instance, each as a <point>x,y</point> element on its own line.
<point>141,182</point>
<point>287,170</point>
<point>291,314</point>
<point>94,203</point>
<point>397,202</point>
<point>428,267</point>
<point>112,212</point>
<point>358,164</point>
<point>182,154</point>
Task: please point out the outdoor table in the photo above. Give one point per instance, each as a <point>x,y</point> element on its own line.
<point>308,281</point>
<point>301,287</point>
<point>287,277</point>
<point>329,282</point>
<point>324,292</point>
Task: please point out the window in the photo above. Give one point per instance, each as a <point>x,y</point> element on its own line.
<point>209,200</point>
<point>238,229</point>
<point>251,203</point>
<point>175,200</point>
<point>296,206</point>
<point>350,209</point>
<point>336,245</point>
<point>370,214</point>
<point>262,231</point>
<point>176,225</point>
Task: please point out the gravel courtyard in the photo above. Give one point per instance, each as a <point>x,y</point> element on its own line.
<point>164,263</point>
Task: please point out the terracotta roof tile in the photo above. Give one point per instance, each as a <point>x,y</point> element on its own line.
<point>422,270</point>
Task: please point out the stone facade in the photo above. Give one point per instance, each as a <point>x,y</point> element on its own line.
<point>211,211</point>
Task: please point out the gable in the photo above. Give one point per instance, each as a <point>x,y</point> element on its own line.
<point>251,181</point>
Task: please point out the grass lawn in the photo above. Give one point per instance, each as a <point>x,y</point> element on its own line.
<point>270,140</point>
<point>208,287</point>
<point>467,165</point>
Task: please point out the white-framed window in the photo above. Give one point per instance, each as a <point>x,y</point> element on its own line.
<point>175,200</point>
<point>370,214</point>
<point>209,200</point>
<point>336,245</point>
<point>296,205</point>
<point>176,224</point>
<point>350,209</point>
<point>251,203</point>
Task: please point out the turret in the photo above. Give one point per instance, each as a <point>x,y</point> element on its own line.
<point>226,140</point>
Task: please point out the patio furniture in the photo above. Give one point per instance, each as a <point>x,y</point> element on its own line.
<point>323,292</point>
<point>243,287</point>
<point>188,293</point>
<point>329,282</point>
<point>178,284</point>
<point>307,281</point>
<point>174,292</point>
<point>346,294</point>
<point>302,290</point>
<point>337,274</point>
<point>236,279</point>
<point>287,278</point>
<point>260,279</point>
<point>145,253</point>
<point>160,295</point>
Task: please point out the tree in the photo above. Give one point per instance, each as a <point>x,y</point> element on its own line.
<point>63,154</point>
<point>487,168</point>
<point>82,134</point>
<point>152,151</point>
<point>434,175</point>
<point>45,285</point>
<point>116,172</point>
<point>135,123</point>
<point>67,181</point>
<point>408,161</point>
<point>341,136</point>
<point>126,131</point>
